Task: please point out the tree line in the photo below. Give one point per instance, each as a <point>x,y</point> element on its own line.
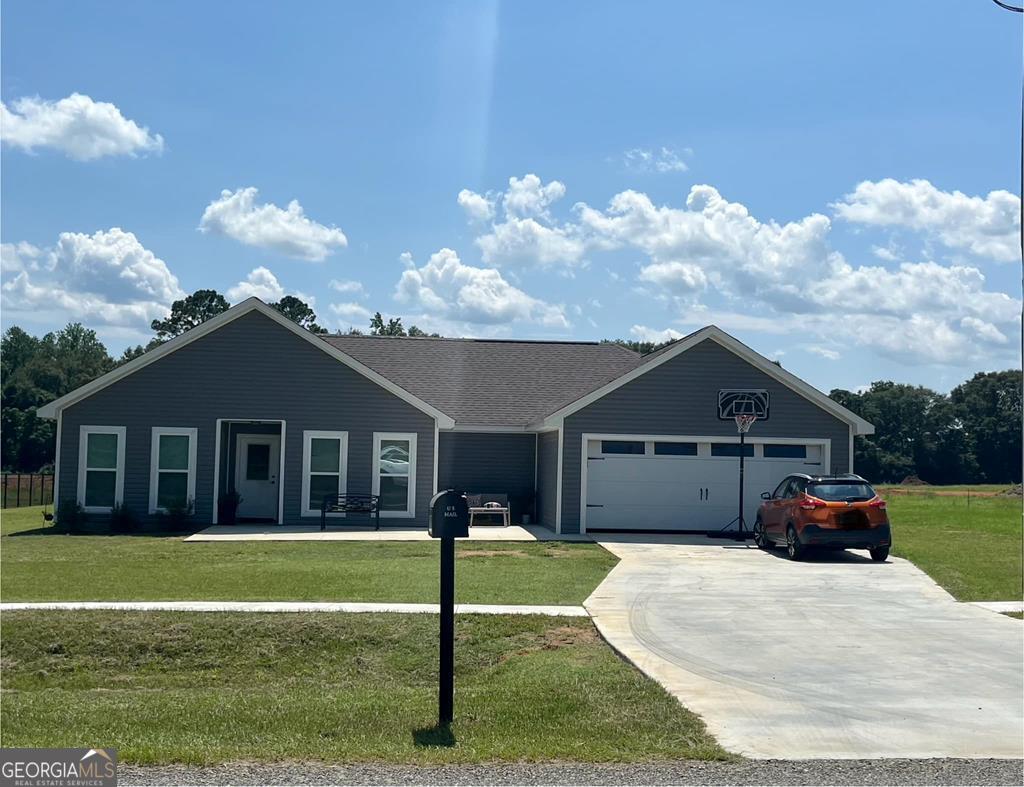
<point>971,435</point>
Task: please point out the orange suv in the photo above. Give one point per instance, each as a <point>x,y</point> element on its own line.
<point>830,512</point>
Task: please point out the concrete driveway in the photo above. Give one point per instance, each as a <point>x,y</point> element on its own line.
<point>833,657</point>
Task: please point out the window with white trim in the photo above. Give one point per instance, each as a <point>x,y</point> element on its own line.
<point>100,467</point>
<point>324,469</point>
<point>172,468</point>
<point>394,473</point>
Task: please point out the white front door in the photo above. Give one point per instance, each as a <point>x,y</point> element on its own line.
<point>258,459</point>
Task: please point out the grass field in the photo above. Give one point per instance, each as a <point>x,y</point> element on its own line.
<point>204,688</point>
<point>970,547</point>
<point>47,566</point>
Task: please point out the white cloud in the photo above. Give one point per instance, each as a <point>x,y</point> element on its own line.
<point>477,206</point>
<point>679,278</point>
<point>660,160</point>
<point>985,226</point>
<point>351,313</point>
<point>105,279</point>
<point>645,334</point>
<point>77,126</point>
<point>263,284</point>
<point>823,352</point>
<point>345,287</point>
<point>448,289</point>
<point>529,196</point>
<point>526,233</point>
<point>287,231</point>
<point>528,241</point>
<point>794,280</point>
<point>260,283</point>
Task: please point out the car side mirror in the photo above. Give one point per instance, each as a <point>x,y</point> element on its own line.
<point>766,495</point>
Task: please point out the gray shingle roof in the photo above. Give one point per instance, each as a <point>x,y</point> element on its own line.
<point>486,382</point>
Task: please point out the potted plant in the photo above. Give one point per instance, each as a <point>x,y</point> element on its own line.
<point>227,507</point>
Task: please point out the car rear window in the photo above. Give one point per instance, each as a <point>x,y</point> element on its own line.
<point>841,490</point>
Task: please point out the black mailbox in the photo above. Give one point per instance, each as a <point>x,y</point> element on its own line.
<point>449,515</point>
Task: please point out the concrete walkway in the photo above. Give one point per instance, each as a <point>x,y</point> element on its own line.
<point>341,533</point>
<point>299,606</point>
<point>1000,606</point>
<point>836,657</point>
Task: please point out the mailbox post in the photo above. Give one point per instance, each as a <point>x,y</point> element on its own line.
<point>449,519</point>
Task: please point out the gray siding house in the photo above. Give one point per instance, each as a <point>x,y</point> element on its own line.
<point>580,435</point>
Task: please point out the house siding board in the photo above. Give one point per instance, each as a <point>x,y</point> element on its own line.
<point>547,477</point>
<point>681,397</point>
<point>481,462</point>
<point>251,368</point>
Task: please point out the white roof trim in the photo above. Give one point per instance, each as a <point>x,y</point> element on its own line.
<point>51,409</point>
<point>716,334</point>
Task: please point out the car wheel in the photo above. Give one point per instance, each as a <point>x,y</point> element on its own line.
<point>794,548</point>
<point>760,537</point>
<point>879,554</point>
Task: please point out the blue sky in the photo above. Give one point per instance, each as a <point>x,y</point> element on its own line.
<point>834,184</point>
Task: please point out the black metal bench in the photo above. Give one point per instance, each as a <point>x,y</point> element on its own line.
<point>350,503</point>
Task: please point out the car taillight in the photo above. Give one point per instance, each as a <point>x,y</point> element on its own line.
<point>810,503</point>
<point>878,503</point>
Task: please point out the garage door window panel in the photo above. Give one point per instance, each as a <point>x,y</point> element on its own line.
<point>783,451</point>
<point>675,449</point>
<point>731,449</point>
<point>637,447</point>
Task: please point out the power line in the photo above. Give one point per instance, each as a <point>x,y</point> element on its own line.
<point>1008,7</point>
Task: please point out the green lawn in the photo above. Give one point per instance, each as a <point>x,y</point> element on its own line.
<point>206,688</point>
<point>924,489</point>
<point>42,565</point>
<point>973,550</point>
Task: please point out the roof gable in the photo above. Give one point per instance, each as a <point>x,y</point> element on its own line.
<point>715,334</point>
<point>51,409</point>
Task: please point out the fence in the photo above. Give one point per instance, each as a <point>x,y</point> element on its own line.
<point>26,489</point>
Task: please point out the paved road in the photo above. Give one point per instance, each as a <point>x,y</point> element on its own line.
<point>817,772</point>
<point>834,657</point>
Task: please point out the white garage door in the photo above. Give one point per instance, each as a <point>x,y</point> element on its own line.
<point>685,485</point>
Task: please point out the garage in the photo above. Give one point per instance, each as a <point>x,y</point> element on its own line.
<point>649,482</point>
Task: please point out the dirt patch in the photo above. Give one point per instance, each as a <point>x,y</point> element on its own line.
<point>1013,491</point>
<point>913,480</point>
<point>556,638</point>
<point>491,553</point>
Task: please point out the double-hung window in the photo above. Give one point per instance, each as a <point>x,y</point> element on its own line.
<point>100,467</point>
<point>172,468</point>
<point>324,469</point>
<point>394,473</point>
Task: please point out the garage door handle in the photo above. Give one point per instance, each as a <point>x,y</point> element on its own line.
<point>594,505</point>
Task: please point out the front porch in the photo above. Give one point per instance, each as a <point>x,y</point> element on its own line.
<point>263,532</point>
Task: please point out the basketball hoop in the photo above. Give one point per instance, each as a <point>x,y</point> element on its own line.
<point>744,422</point>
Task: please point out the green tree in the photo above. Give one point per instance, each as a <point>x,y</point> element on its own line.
<point>989,408</point>
<point>392,327</point>
<point>640,347</point>
<point>916,433</point>
<point>298,312</point>
<point>36,371</point>
<point>189,312</point>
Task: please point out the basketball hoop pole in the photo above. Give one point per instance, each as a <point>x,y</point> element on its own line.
<point>743,424</point>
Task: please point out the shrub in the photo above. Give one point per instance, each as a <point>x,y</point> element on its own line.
<point>122,520</point>
<point>176,516</point>
<point>70,516</point>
